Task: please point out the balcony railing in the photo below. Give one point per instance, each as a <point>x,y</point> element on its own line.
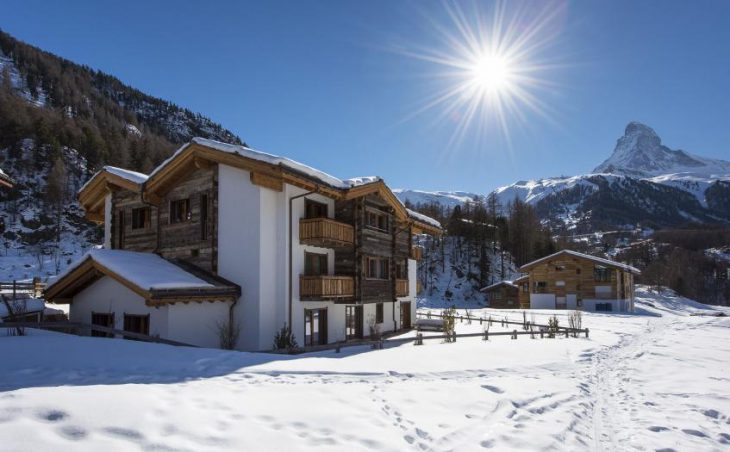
<point>401,287</point>
<point>326,287</point>
<point>417,253</point>
<point>325,232</point>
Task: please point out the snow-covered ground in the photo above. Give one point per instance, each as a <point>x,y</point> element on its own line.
<point>654,380</point>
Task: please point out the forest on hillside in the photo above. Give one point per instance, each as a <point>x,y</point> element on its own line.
<point>59,103</point>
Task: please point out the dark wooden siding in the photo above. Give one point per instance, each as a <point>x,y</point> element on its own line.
<point>143,240</point>
<point>183,240</point>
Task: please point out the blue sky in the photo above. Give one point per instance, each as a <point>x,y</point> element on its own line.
<point>329,82</point>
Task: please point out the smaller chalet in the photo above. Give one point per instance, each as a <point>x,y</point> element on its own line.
<point>571,280</point>
<point>502,295</point>
<point>183,295</point>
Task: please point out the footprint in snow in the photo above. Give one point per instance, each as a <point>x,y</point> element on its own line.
<point>493,389</point>
<point>52,415</point>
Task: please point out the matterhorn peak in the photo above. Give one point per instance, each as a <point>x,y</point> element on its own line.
<point>640,153</point>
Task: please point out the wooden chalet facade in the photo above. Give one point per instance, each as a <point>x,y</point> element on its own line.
<point>502,295</point>
<point>326,256</point>
<point>572,280</point>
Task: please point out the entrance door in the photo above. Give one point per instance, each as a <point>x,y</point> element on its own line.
<point>315,327</point>
<point>353,322</point>
<point>405,314</point>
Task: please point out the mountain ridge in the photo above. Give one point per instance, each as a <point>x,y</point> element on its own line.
<point>654,183</point>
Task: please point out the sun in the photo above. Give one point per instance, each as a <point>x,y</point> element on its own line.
<point>489,67</point>
<point>491,73</point>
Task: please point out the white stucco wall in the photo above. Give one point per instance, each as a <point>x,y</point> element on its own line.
<point>542,301</point>
<point>196,323</point>
<point>107,295</point>
<point>239,253</point>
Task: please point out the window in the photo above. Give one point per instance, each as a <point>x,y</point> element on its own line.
<point>204,216</point>
<point>137,323</point>
<point>497,295</point>
<point>401,271</point>
<point>577,271</point>
<point>141,218</point>
<point>526,287</point>
<point>120,229</point>
<point>379,313</point>
<point>604,307</point>
<point>377,268</point>
<point>559,268</point>
<point>315,264</point>
<point>102,319</point>
<point>540,287</point>
<point>602,274</point>
<point>180,211</point>
<point>315,327</point>
<point>314,209</point>
<point>559,283</point>
<point>377,220</point>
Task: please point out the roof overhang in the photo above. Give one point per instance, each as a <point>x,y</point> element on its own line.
<point>89,271</point>
<point>93,194</point>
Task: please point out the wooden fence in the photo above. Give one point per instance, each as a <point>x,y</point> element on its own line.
<point>84,329</point>
<point>35,287</point>
<point>502,322</point>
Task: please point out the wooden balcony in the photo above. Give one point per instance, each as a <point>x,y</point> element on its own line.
<point>326,287</point>
<point>325,232</point>
<point>401,287</point>
<point>417,253</point>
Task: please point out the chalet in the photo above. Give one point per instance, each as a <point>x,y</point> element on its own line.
<point>502,295</point>
<point>572,280</point>
<point>221,234</point>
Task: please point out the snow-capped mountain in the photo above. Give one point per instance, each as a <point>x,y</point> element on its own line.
<point>640,153</point>
<point>643,181</point>
<point>445,198</point>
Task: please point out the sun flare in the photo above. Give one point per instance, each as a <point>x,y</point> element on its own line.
<point>489,67</point>
<point>491,73</point>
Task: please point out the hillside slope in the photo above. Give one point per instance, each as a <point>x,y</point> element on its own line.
<point>58,114</point>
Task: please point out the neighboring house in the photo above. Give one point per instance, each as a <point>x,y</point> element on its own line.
<point>221,232</point>
<point>502,295</point>
<point>572,280</point>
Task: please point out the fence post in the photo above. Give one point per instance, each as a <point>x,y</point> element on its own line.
<point>567,333</point>
<point>541,337</point>
<point>419,339</point>
<point>514,334</point>
<point>586,332</point>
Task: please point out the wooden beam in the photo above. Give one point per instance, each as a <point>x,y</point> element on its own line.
<point>266,181</point>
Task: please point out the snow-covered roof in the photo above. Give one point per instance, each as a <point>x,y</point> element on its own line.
<point>423,218</point>
<point>22,306</point>
<point>132,176</point>
<point>247,152</point>
<point>362,180</point>
<point>293,165</point>
<point>498,284</point>
<point>596,259</point>
<point>147,271</point>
